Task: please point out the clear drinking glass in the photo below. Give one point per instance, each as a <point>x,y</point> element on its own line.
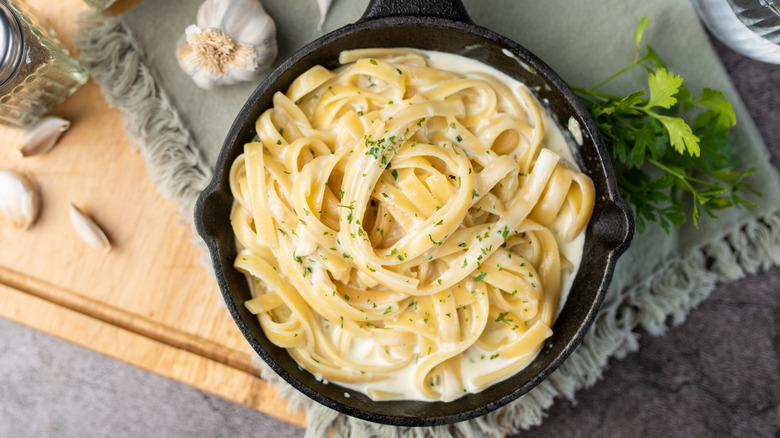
<point>36,71</point>
<point>750,27</point>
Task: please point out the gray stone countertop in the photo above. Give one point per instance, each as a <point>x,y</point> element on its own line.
<point>716,375</point>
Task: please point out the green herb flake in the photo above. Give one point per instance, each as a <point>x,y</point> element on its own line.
<point>502,318</point>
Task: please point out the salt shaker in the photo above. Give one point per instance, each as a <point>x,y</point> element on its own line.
<point>36,71</point>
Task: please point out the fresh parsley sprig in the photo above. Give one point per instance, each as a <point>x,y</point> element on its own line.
<point>665,144</point>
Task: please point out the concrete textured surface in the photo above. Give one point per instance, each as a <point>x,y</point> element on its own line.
<point>716,375</point>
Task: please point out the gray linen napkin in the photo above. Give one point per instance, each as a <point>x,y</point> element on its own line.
<point>657,281</point>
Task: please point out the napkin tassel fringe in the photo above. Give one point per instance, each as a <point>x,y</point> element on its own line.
<point>116,63</point>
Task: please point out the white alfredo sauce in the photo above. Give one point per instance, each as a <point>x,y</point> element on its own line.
<point>474,361</point>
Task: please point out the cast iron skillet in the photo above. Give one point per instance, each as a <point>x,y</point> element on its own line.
<point>441,25</point>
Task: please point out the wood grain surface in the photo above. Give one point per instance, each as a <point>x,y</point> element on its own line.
<point>148,302</point>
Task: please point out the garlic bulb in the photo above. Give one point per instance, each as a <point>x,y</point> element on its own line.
<point>233,41</point>
<point>19,199</point>
<point>88,230</point>
<point>42,136</point>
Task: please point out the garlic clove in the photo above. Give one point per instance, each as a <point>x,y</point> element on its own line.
<point>324,6</point>
<point>42,136</point>
<point>19,199</point>
<point>210,14</point>
<point>88,230</point>
<point>233,41</point>
<point>246,21</point>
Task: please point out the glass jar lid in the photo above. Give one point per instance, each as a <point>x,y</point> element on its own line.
<point>11,43</point>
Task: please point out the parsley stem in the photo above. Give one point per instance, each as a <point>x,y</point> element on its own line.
<point>682,176</point>
<point>623,70</point>
<point>597,94</point>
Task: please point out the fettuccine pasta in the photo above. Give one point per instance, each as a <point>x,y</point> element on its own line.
<point>401,225</point>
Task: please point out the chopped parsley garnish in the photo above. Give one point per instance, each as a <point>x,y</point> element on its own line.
<point>479,277</point>
<point>502,318</point>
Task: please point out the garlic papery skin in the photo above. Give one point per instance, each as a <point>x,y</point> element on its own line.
<point>19,200</point>
<point>324,6</point>
<point>42,136</point>
<point>232,41</point>
<point>88,230</point>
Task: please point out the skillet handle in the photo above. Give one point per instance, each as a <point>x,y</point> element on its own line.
<point>614,225</point>
<point>451,9</point>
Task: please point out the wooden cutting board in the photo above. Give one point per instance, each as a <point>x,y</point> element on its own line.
<point>149,301</point>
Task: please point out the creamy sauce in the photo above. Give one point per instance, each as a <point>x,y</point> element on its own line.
<point>576,131</point>
<point>474,361</point>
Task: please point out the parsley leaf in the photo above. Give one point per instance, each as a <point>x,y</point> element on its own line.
<point>668,146</point>
<point>663,86</point>
<point>680,134</point>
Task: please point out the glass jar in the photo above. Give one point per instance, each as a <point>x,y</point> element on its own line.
<point>36,71</point>
<point>750,27</point>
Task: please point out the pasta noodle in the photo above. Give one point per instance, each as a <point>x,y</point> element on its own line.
<point>402,226</point>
